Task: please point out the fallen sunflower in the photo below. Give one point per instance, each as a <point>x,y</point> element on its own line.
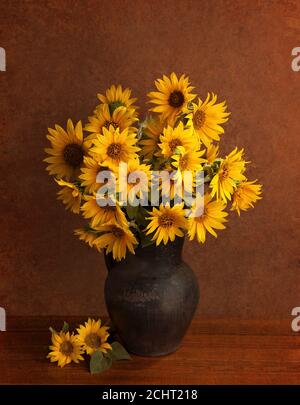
<point>65,349</point>
<point>92,337</point>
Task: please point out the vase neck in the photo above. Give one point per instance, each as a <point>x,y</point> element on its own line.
<point>167,255</point>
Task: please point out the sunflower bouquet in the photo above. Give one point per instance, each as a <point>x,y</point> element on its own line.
<point>180,135</point>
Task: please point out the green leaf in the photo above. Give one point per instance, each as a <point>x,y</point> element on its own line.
<point>140,133</point>
<point>207,179</point>
<point>138,213</point>
<point>114,105</point>
<point>132,211</point>
<point>145,240</point>
<point>158,163</point>
<point>99,363</point>
<point>118,352</point>
<point>141,216</point>
<point>65,327</point>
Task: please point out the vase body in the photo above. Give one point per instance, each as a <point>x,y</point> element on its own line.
<point>151,298</point>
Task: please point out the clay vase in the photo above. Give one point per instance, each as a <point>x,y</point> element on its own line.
<point>151,298</point>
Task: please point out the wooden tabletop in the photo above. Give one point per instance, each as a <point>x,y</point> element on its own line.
<point>213,352</point>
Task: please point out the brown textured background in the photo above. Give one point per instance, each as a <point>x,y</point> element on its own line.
<point>61,53</point>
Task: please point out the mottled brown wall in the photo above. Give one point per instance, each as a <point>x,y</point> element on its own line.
<point>61,53</point>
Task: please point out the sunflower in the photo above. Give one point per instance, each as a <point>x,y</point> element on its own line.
<point>167,222</point>
<point>152,131</point>
<point>206,118</point>
<point>93,337</point>
<point>172,96</point>
<point>100,215</point>
<point>116,239</point>
<point>142,172</point>
<point>230,172</point>
<point>67,151</point>
<point>115,147</point>
<point>188,160</point>
<point>89,173</point>
<point>116,97</point>
<point>212,153</point>
<point>174,137</point>
<point>64,349</point>
<point>70,195</point>
<point>120,118</point>
<point>87,235</point>
<point>212,217</point>
<point>245,195</point>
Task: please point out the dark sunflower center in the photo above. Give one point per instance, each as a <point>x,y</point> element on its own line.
<point>165,220</point>
<point>117,232</point>
<point>109,123</point>
<point>66,348</point>
<point>174,143</point>
<point>110,208</point>
<point>114,150</point>
<point>176,99</point>
<point>199,119</point>
<point>92,340</point>
<point>73,155</point>
<point>183,162</point>
<point>225,173</point>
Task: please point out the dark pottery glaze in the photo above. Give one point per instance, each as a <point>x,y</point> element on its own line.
<point>151,298</point>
